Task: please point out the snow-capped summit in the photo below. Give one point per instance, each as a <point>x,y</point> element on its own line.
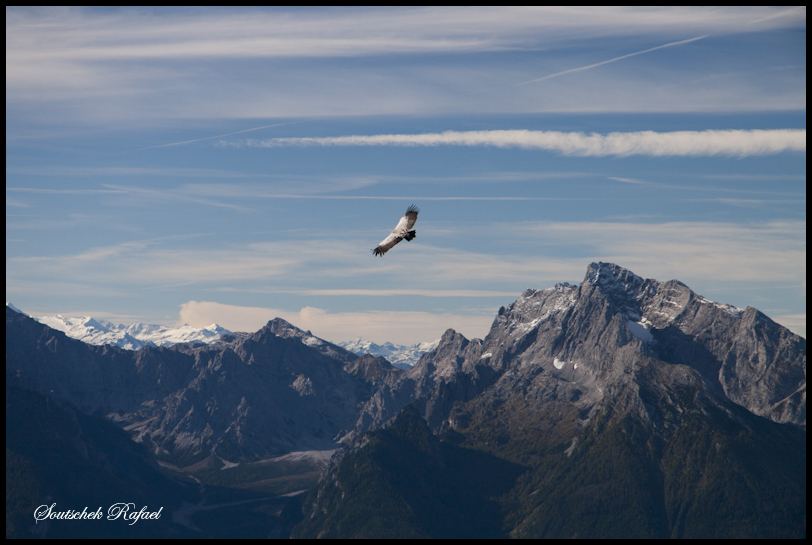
<point>131,337</point>
<point>15,309</point>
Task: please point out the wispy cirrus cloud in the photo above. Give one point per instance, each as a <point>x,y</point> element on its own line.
<point>16,203</point>
<point>93,65</point>
<point>149,195</point>
<point>686,250</point>
<point>690,251</point>
<point>630,181</point>
<point>50,191</point>
<point>739,143</point>
<point>410,292</point>
<point>146,263</point>
<point>66,171</point>
<point>76,35</point>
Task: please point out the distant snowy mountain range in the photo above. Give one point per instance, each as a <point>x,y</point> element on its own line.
<point>131,337</point>
<point>138,335</point>
<point>400,356</point>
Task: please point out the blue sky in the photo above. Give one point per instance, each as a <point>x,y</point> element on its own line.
<point>233,165</point>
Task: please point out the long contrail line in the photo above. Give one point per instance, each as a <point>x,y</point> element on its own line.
<point>201,139</point>
<point>582,68</point>
<point>218,136</point>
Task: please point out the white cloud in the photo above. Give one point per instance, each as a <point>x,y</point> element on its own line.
<point>738,143</point>
<point>377,326</point>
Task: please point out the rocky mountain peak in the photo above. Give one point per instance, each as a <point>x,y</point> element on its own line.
<point>590,341</point>
<point>452,338</point>
<point>15,309</point>
<point>622,288</point>
<point>649,303</point>
<point>607,274</point>
<point>283,328</point>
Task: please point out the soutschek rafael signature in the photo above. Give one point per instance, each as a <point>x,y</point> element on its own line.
<point>123,511</point>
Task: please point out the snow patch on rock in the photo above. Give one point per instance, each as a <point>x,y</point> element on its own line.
<point>640,330</point>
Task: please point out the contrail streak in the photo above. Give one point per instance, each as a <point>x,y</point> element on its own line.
<point>218,136</point>
<point>732,142</point>
<point>582,68</point>
<point>206,138</point>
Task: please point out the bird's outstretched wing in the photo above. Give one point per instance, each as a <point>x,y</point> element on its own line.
<point>408,219</point>
<point>386,244</point>
<point>400,232</point>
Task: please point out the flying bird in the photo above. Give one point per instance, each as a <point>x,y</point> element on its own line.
<point>400,232</point>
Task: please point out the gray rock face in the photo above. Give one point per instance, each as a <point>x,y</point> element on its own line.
<point>614,339</point>
<point>635,408</point>
<point>759,364</point>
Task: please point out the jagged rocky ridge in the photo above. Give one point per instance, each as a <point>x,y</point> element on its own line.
<point>637,407</point>
<point>589,337</point>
